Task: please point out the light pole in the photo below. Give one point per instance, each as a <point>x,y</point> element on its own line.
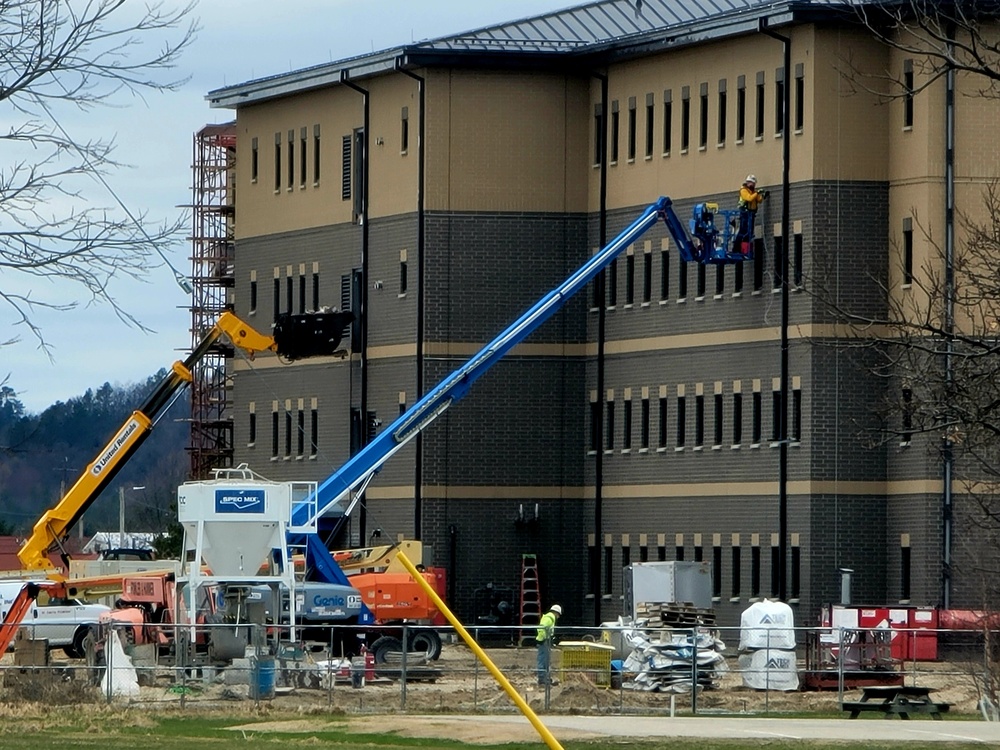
<point>121,514</point>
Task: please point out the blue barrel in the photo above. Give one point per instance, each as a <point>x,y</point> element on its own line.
<point>262,678</point>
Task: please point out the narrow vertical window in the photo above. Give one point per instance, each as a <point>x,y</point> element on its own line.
<point>254,160</point>
<point>700,271</point>
<point>908,93</point>
<point>252,427</point>
<point>316,155</point>
<point>288,433</point>
<point>800,97</point>
<point>907,416</point>
<point>720,280</point>
<point>613,283</point>
<point>736,583</point>
<point>661,441</point>
<point>775,566</point>
<point>629,279</point>
<point>253,295</point>
<point>737,418</point>
<point>668,117</point>
<point>346,145</point>
<point>755,571</point>
<point>904,567</point>
<point>741,108</point>
<point>718,420</point>
<point>626,552</point>
<point>300,434</point>
<point>404,130</point>
<point>682,278</point>
<point>643,550</point>
<point>609,567</point>
<point>290,292</point>
<point>359,173</point>
<point>595,420</point>
<point>614,132</point>
<point>699,551</point>
<point>664,274</point>
<point>277,295</point>
<point>699,420</point>
<point>291,159</point>
<point>779,101</point>
<point>274,432</point>
<point>598,134</point>
<point>758,265</point>
<point>313,432</point>
<point>647,277</point>
<point>303,157</point>
<point>797,258</point>
<point>627,424</point>
<point>759,124</point>
<point>315,289</point>
<point>685,118</point>
<point>722,111</point>
<point>609,426</point>
<point>795,433</point>
<point>738,278</point>
<point>403,276</point>
<point>776,415</point>
<point>756,418</point>
<point>679,547</point>
<point>779,254</point>
<point>644,424</point>
<point>703,116</point>
<point>681,417</point>
<point>796,573</point>
<point>631,128</point>
<point>277,161</point>
<point>716,571</point>
<point>650,132</point>
<point>661,548</point>
<point>302,293</point>
<point>908,251</point>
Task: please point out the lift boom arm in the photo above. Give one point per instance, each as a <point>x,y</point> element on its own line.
<point>708,245</point>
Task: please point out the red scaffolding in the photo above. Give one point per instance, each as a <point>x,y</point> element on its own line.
<point>212,278</point>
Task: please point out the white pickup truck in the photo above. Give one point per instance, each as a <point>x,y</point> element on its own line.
<point>63,622</point>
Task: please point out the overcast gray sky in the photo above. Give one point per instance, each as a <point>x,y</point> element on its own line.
<point>240,40</point>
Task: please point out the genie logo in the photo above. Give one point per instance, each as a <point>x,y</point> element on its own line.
<point>328,601</point>
<point>239,501</point>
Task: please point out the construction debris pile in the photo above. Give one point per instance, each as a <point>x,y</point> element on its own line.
<point>670,646</point>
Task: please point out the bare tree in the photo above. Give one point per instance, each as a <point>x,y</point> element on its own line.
<point>59,56</point>
<point>959,36</point>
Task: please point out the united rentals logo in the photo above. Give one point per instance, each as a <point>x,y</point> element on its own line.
<point>239,501</point>
<point>114,447</point>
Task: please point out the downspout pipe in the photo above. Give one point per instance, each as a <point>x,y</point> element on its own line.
<point>418,474</point>
<point>948,467</point>
<point>786,140</point>
<point>346,81</point>
<point>600,295</point>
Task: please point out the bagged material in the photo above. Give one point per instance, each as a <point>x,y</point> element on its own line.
<point>120,679</point>
<point>769,669</point>
<point>767,624</point>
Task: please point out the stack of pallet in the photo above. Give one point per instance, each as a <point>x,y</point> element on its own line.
<point>674,615</point>
<point>673,647</point>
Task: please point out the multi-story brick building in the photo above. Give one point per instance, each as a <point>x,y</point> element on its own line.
<point>440,188</point>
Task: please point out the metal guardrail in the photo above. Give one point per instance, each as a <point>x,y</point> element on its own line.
<point>705,670</point>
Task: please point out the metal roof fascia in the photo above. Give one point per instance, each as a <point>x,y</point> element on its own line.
<point>275,87</point>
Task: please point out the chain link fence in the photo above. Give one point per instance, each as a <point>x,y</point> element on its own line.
<point>607,670</point>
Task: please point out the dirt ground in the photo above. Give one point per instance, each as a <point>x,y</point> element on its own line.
<point>457,683</point>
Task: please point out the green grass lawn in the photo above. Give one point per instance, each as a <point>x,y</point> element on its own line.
<point>131,729</point>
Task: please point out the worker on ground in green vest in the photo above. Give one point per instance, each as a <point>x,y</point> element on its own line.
<point>543,639</point>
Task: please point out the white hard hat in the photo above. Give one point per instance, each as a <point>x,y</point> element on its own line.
<point>556,608</point>
<point>751,178</point>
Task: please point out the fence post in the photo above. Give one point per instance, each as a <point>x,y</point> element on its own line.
<point>840,670</point>
<point>767,671</point>
<point>694,671</point>
<point>109,661</point>
<point>402,670</point>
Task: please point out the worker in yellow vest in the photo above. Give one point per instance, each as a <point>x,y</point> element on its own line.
<point>543,639</point>
<point>749,202</point>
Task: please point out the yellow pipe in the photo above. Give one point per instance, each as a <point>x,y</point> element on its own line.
<point>542,730</point>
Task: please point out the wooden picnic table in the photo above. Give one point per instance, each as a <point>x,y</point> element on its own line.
<point>896,700</point>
